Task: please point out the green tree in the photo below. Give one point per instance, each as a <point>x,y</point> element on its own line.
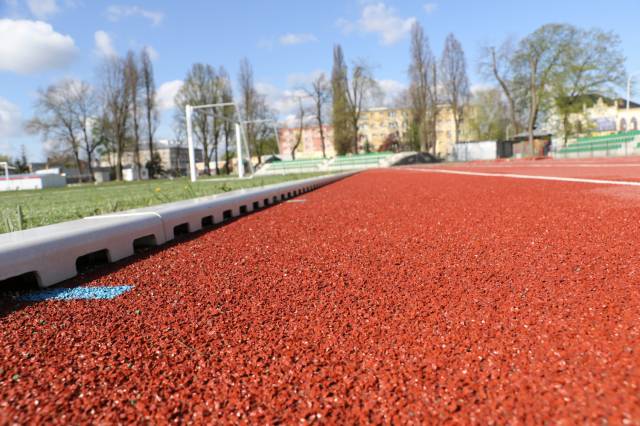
<point>340,117</point>
<point>593,64</point>
<point>488,116</point>
<point>540,61</point>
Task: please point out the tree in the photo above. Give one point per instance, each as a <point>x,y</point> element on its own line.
<point>150,104</point>
<point>592,63</point>
<point>21,163</point>
<point>133,82</point>
<point>455,83</point>
<point>228,114</point>
<point>200,88</point>
<point>489,116</point>
<point>419,95</point>
<point>361,87</point>
<point>64,112</point>
<point>497,63</point>
<point>116,100</point>
<point>538,64</point>
<point>320,93</point>
<point>254,109</point>
<point>340,117</point>
<point>300,118</point>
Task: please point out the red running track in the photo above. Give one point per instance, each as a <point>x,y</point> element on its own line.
<point>615,168</point>
<point>390,296</point>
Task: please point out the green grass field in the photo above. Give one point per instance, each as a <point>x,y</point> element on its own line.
<point>28,209</point>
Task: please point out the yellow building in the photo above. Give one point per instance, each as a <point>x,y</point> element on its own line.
<point>378,123</point>
<point>602,117</point>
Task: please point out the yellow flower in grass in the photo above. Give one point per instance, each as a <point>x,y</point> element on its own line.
<point>158,189</point>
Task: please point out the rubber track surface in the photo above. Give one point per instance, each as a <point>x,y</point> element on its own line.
<point>390,296</point>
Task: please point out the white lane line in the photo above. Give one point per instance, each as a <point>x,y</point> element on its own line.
<point>550,166</point>
<point>533,177</point>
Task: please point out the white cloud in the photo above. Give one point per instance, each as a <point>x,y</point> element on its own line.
<point>378,18</point>
<point>116,13</point>
<point>284,102</point>
<point>33,46</point>
<point>391,89</point>
<point>303,79</point>
<point>167,93</point>
<point>42,9</point>
<point>10,123</point>
<point>347,27</point>
<point>104,45</point>
<point>430,8</point>
<point>153,53</point>
<point>293,39</point>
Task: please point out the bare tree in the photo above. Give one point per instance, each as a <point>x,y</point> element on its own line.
<point>497,63</point>
<point>300,118</point>
<point>361,87</point>
<point>86,107</point>
<point>455,83</point>
<point>228,113</point>
<point>150,104</point>
<point>133,80</point>
<point>320,93</point>
<point>116,100</point>
<point>64,112</point>
<point>254,108</point>
<point>420,75</point>
<point>199,88</point>
<point>248,103</point>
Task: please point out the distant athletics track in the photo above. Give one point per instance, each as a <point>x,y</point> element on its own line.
<point>393,296</point>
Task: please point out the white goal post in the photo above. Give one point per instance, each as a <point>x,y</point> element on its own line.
<point>189,109</point>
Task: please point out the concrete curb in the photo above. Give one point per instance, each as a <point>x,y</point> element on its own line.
<point>52,252</point>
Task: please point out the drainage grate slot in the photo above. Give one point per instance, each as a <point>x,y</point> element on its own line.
<point>92,260</point>
<point>265,202</point>
<point>256,205</point>
<point>207,221</point>
<point>243,209</point>
<point>227,214</point>
<point>28,281</point>
<point>182,229</point>
<point>275,200</point>
<point>144,243</point>
<point>282,197</point>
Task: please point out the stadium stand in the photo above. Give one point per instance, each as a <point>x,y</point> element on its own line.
<point>603,145</point>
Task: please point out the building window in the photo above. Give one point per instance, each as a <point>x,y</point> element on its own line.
<point>623,125</point>
<point>633,125</point>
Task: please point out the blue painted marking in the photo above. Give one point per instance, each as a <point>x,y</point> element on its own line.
<point>77,293</point>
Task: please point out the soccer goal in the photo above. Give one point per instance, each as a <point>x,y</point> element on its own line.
<point>242,147</point>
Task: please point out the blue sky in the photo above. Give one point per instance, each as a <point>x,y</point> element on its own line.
<point>287,41</point>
